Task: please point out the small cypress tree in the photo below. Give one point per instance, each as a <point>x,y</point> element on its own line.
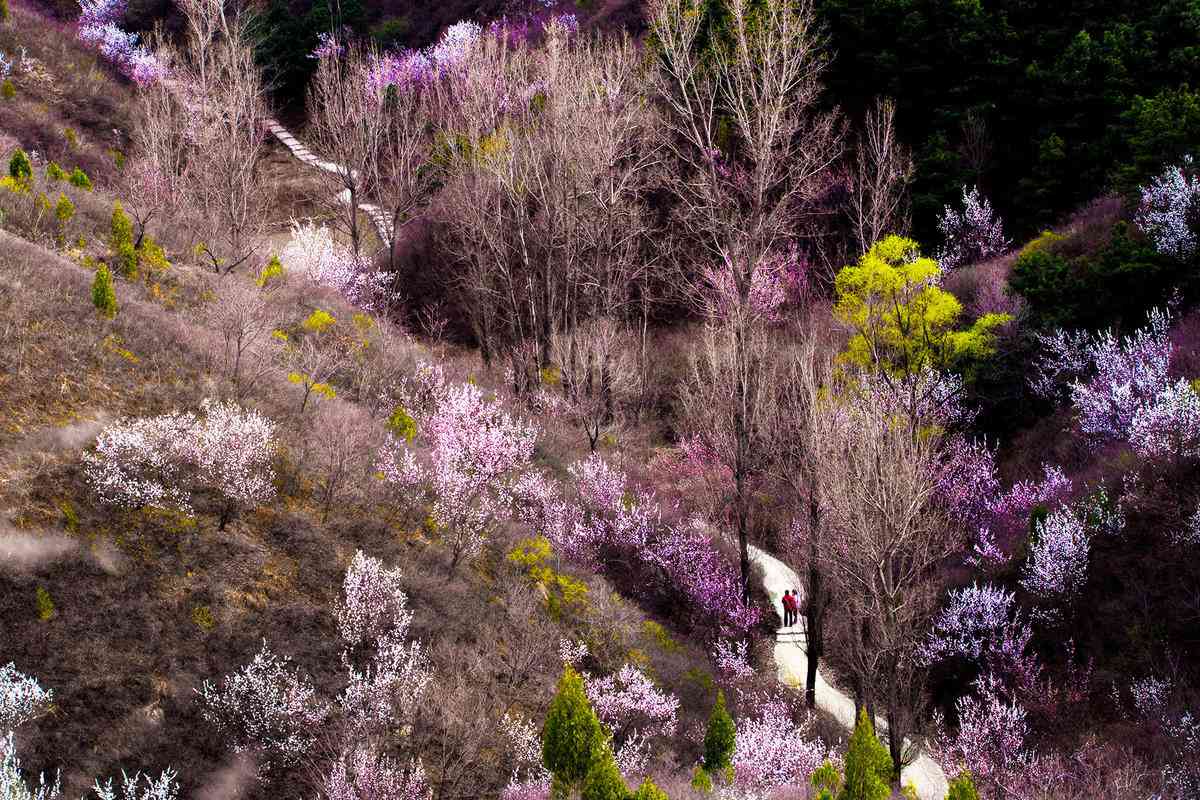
<point>8,89</point>
<point>120,242</point>
<point>604,781</point>
<point>962,788</point>
<point>868,764</point>
<point>104,297</point>
<point>648,791</point>
<point>19,167</point>
<point>3,10</point>
<point>572,737</point>
<point>719,739</point>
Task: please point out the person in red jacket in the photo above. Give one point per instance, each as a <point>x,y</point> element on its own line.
<point>789,609</point>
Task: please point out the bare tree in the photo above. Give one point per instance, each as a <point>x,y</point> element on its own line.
<point>886,537</point>
<point>312,364</point>
<point>883,171</point>
<point>342,443</point>
<point>751,144</point>
<point>730,403</point>
<point>806,421</point>
<point>203,132</point>
<point>243,319</point>
<point>976,146</point>
<point>543,192</point>
<point>346,126</point>
<point>597,373</point>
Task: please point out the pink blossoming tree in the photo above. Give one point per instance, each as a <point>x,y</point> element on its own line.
<point>973,234</point>
<point>1169,212</point>
<point>474,451</point>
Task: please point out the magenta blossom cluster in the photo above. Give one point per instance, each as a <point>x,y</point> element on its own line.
<point>1058,558</point>
<point>1169,212</point>
<point>473,454</point>
<point>268,707</point>
<point>771,749</point>
<point>776,280</point>
<point>22,698</point>
<point>982,625</point>
<point>162,461</point>
<point>992,738</point>
<point>410,68</point>
<point>628,702</point>
<point>608,523</point>
<point>572,652</point>
<point>972,235</point>
<point>732,660</point>
<point>99,26</point>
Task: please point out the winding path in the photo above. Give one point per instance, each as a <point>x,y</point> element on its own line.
<point>924,773</point>
<point>378,216</point>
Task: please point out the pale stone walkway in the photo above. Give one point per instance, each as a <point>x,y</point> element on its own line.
<point>924,773</point>
<point>378,216</point>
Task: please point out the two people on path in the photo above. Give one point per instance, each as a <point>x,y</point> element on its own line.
<point>791,608</point>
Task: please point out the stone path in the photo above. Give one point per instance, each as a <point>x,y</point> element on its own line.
<point>923,773</point>
<point>378,216</point>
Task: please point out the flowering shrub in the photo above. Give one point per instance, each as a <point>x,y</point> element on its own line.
<point>21,698</point>
<point>973,234</point>
<point>1058,557</point>
<point>412,67</point>
<point>363,775</point>
<point>161,461</point>
<point>732,659</point>
<point>372,601</point>
<point>1170,210</point>
<point>475,454</point>
<point>571,652</point>
<point>267,707</point>
<point>607,524</point>
<point>312,253</point>
<point>991,737</point>
<point>771,750</point>
<point>165,788</point>
<point>1124,373</point>
<point>530,779</point>
<point>13,786</point>
<point>99,26</point>
<point>374,609</point>
<point>629,703</point>
<point>981,624</point>
<point>1169,425</point>
<point>775,281</point>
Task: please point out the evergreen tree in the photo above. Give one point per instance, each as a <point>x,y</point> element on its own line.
<point>604,781</point>
<point>719,738</point>
<point>962,788</point>
<point>868,764</point>
<point>19,167</point>
<point>827,781</point>
<point>572,738</point>
<point>120,242</point>
<point>104,298</point>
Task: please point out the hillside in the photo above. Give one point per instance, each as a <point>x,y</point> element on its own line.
<point>461,438</point>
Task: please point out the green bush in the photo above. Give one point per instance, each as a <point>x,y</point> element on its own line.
<point>827,781</point>
<point>720,737</point>
<point>868,764</point>
<point>19,167</point>
<point>55,173</point>
<point>7,89</point>
<point>701,781</point>
<point>3,10</point>
<point>80,179</point>
<point>151,256</point>
<point>104,298</point>
<point>120,242</point>
<point>271,272</point>
<point>1087,284</point>
<point>45,606</point>
<point>402,425</point>
<point>648,791</point>
<point>572,738</point>
<point>962,788</point>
